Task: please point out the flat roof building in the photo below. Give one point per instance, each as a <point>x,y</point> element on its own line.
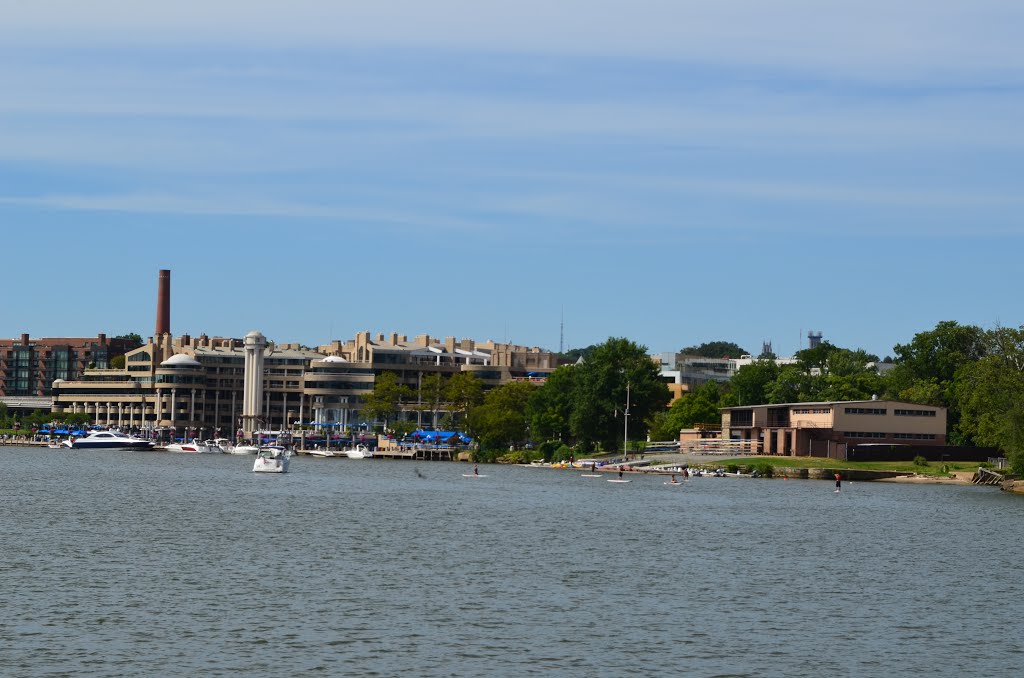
<point>819,429</point>
<point>29,366</point>
<point>198,383</point>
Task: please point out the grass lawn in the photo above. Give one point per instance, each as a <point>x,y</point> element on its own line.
<point>933,467</point>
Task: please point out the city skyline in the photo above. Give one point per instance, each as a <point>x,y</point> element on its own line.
<point>669,172</point>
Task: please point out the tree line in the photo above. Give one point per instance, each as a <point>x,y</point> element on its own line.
<point>977,374</point>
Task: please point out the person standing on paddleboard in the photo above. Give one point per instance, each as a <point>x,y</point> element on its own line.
<point>476,470</point>
<point>838,481</point>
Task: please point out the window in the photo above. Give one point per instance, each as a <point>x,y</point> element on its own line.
<point>914,413</point>
<point>865,410</point>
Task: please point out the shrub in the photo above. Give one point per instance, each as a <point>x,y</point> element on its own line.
<point>562,453</point>
<point>920,461</point>
<point>483,456</point>
<point>519,457</point>
<point>732,468</point>
<point>548,448</point>
<point>763,469</point>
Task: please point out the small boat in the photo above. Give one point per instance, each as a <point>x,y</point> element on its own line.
<point>195,447</point>
<point>273,459</point>
<point>321,453</point>
<point>358,452</point>
<point>245,449</point>
<point>224,444</point>
<point>108,440</point>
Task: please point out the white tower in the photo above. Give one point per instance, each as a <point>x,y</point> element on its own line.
<point>252,395</point>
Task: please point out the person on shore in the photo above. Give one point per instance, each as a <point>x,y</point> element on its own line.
<point>839,479</point>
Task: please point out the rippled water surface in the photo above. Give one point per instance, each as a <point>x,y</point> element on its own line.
<point>155,564</point>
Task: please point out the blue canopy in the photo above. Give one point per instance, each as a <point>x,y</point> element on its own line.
<point>439,435</point>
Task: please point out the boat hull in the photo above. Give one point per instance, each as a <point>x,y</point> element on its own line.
<point>263,465</point>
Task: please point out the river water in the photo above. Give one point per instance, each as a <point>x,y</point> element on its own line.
<point>156,564</point>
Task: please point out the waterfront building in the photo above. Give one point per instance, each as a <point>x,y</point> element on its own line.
<point>683,373</point>
<point>199,385</point>
<point>214,386</point>
<point>820,429</point>
<point>29,366</point>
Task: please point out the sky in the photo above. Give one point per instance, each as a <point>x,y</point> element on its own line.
<point>551,174</point>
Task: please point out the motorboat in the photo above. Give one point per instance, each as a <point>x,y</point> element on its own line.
<point>244,449</point>
<point>193,447</point>
<point>223,443</point>
<point>321,452</point>
<point>108,440</point>
<point>271,459</point>
<point>358,452</point>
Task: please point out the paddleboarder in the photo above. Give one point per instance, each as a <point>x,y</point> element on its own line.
<point>839,479</point>
<point>476,470</point>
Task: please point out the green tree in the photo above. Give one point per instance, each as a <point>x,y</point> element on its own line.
<point>432,395</point>
<point>751,382</point>
<point>133,339</point>
<point>929,365</point>
<point>990,392</point>
<point>700,406</point>
<point>117,362</point>
<point>792,384</point>
<point>616,368</point>
<point>502,420</point>
<point>551,405</point>
<point>385,400</point>
<point>574,354</point>
<point>464,391</point>
<point>715,349</point>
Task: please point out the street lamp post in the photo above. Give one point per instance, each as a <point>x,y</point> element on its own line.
<point>625,434</point>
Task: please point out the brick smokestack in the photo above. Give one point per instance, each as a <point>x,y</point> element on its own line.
<point>163,304</point>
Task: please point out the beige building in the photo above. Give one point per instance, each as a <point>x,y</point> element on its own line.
<point>821,429</point>
<point>197,384</point>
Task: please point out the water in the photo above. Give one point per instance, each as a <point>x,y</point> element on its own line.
<point>145,564</point>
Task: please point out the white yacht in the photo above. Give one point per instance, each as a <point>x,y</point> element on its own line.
<point>224,444</point>
<point>245,449</point>
<point>271,460</point>
<point>193,447</point>
<point>358,452</point>
<point>108,440</point>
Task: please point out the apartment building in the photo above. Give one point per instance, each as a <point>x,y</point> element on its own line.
<point>29,366</point>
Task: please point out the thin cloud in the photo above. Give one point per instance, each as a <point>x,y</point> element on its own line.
<point>871,39</point>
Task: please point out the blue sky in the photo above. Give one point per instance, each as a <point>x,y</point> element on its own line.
<point>669,171</point>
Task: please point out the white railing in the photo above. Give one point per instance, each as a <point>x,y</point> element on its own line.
<point>718,446</point>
